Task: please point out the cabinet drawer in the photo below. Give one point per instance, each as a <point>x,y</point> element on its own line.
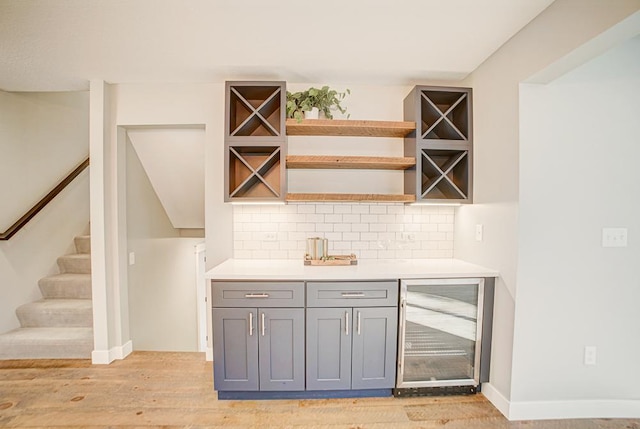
<point>257,294</point>
<point>352,294</point>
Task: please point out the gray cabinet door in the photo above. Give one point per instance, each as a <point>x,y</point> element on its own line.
<point>329,348</point>
<point>235,349</point>
<point>281,344</point>
<point>374,348</point>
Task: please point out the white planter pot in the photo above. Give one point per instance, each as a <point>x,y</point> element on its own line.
<point>312,114</point>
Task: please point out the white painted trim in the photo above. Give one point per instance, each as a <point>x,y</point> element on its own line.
<point>201,296</point>
<point>546,410</point>
<point>209,354</point>
<point>97,218</point>
<point>105,357</point>
<point>583,409</point>
<point>496,398</point>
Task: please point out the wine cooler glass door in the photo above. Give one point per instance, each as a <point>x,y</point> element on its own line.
<point>440,326</point>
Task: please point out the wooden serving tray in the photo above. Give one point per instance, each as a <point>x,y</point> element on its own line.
<point>333,260</point>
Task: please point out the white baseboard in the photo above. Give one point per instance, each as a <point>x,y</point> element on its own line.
<point>585,409</point>
<point>546,410</point>
<point>105,357</point>
<point>496,398</point>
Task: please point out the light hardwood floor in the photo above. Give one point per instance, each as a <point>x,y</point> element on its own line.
<point>175,390</point>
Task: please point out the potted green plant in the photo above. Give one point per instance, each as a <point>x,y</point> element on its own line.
<point>324,100</point>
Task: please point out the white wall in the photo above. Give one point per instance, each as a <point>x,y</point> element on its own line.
<point>372,102</point>
<point>579,153</point>
<point>162,280</point>
<point>554,34</point>
<point>154,106</point>
<point>173,159</point>
<point>43,137</point>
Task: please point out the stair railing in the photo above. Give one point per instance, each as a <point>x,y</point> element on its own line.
<point>20,223</point>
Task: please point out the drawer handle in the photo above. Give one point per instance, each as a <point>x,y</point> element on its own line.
<point>256,295</point>
<point>352,294</point>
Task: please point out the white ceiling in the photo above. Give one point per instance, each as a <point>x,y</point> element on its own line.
<point>60,45</point>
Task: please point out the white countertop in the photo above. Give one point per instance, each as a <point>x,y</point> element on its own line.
<point>367,269</point>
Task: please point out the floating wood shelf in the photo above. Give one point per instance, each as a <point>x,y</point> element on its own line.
<point>384,198</point>
<point>350,162</point>
<point>336,127</point>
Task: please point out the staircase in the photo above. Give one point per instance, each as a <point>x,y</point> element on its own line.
<point>60,325</point>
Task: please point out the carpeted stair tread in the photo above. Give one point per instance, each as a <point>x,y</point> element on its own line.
<point>47,343</point>
<point>60,326</point>
<point>83,244</point>
<point>77,263</point>
<point>56,313</point>
<point>66,285</point>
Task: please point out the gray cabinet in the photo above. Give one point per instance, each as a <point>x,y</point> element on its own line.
<point>442,144</point>
<point>255,141</point>
<point>258,348</point>
<point>328,349</point>
<point>354,346</point>
<point>235,349</point>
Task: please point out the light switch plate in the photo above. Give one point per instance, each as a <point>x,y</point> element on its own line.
<point>614,237</point>
<point>479,232</point>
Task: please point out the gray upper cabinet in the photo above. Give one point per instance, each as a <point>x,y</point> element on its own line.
<point>255,141</point>
<point>442,144</point>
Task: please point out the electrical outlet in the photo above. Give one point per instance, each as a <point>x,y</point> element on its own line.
<point>408,236</point>
<point>132,258</point>
<point>590,355</point>
<point>614,237</point>
<point>270,236</point>
<point>479,232</point>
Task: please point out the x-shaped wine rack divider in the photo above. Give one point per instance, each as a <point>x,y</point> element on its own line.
<point>255,172</point>
<point>256,112</point>
<point>443,173</point>
<point>443,116</point>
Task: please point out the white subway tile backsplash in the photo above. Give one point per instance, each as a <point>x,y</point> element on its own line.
<point>324,208</point>
<point>370,230</point>
<point>351,236</point>
<point>360,227</point>
<point>351,218</point>
<point>335,218</point>
<point>306,208</point>
<point>342,227</point>
<point>378,209</point>
<point>360,209</point>
<point>342,208</point>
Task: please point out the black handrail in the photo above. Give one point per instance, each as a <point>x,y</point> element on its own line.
<point>13,229</point>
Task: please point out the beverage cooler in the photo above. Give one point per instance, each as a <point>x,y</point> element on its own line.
<point>441,338</point>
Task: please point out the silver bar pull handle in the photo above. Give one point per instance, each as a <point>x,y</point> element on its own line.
<point>256,295</point>
<point>352,294</point>
<point>346,323</point>
<point>262,322</point>
<point>250,324</point>
<point>358,323</point>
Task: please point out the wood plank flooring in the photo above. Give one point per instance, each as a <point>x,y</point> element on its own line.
<point>153,389</point>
